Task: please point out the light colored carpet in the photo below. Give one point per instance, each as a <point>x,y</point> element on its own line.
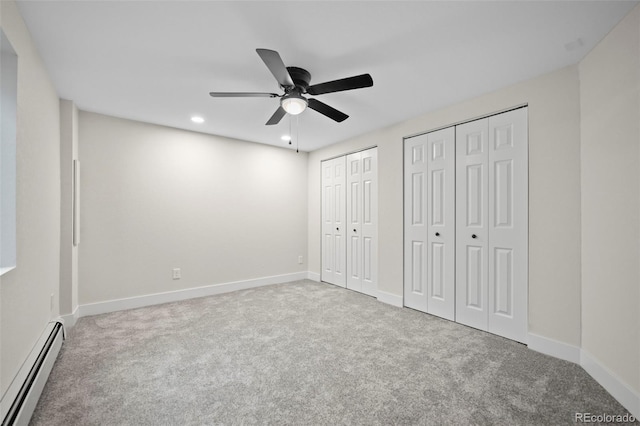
<point>304,353</point>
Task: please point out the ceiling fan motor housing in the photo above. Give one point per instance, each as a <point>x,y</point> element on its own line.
<point>300,77</point>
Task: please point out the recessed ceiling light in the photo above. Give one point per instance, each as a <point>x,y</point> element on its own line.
<point>286,138</point>
<point>197,119</point>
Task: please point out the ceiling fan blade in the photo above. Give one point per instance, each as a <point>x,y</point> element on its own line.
<point>273,61</point>
<point>325,109</point>
<point>350,83</point>
<point>276,117</point>
<point>243,95</point>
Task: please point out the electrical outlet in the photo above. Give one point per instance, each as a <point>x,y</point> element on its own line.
<point>177,274</point>
<point>300,260</point>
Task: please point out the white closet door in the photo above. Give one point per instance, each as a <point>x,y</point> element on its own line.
<point>354,222</point>
<point>369,221</point>
<point>508,224</point>
<point>362,221</point>
<point>415,222</point>
<point>333,221</point>
<point>441,223</point>
<point>430,223</point>
<point>472,210</point>
<point>492,224</point>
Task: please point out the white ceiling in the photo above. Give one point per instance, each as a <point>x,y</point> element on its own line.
<point>156,61</point>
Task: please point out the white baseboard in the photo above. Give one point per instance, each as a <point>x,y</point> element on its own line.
<point>390,299</point>
<point>190,293</point>
<point>629,398</point>
<point>554,348</point>
<point>626,396</point>
<point>70,320</point>
<point>313,276</point>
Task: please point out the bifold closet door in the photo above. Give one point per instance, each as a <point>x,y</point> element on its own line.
<point>362,220</point>
<point>509,224</point>
<point>333,222</point>
<point>492,224</point>
<point>429,252</point>
<point>472,211</point>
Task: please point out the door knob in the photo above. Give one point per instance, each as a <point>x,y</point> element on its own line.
<point>437,234</point>
<point>354,230</point>
<point>337,229</point>
<point>474,236</point>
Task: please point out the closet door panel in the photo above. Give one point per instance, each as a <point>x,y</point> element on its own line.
<point>340,176</point>
<point>327,221</point>
<point>508,224</point>
<point>369,221</point>
<point>333,221</point>
<point>430,223</point>
<point>415,222</point>
<point>354,221</point>
<point>472,204</point>
<point>441,223</point>
<point>339,215</point>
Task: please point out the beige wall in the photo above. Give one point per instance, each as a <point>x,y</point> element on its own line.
<point>610,107</point>
<point>155,198</point>
<point>25,292</point>
<point>554,194</point>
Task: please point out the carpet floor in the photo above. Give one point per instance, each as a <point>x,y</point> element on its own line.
<point>304,353</point>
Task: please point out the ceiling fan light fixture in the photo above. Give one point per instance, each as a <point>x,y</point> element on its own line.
<point>294,104</point>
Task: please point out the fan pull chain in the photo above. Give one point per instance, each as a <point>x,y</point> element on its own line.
<point>297,133</point>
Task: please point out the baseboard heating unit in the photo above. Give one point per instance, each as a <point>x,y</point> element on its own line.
<point>20,400</point>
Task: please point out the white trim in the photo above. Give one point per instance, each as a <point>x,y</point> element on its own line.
<point>313,276</point>
<point>628,397</point>
<point>554,348</point>
<point>70,320</point>
<point>390,299</point>
<point>190,293</point>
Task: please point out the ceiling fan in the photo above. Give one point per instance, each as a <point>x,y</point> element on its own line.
<point>295,83</point>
